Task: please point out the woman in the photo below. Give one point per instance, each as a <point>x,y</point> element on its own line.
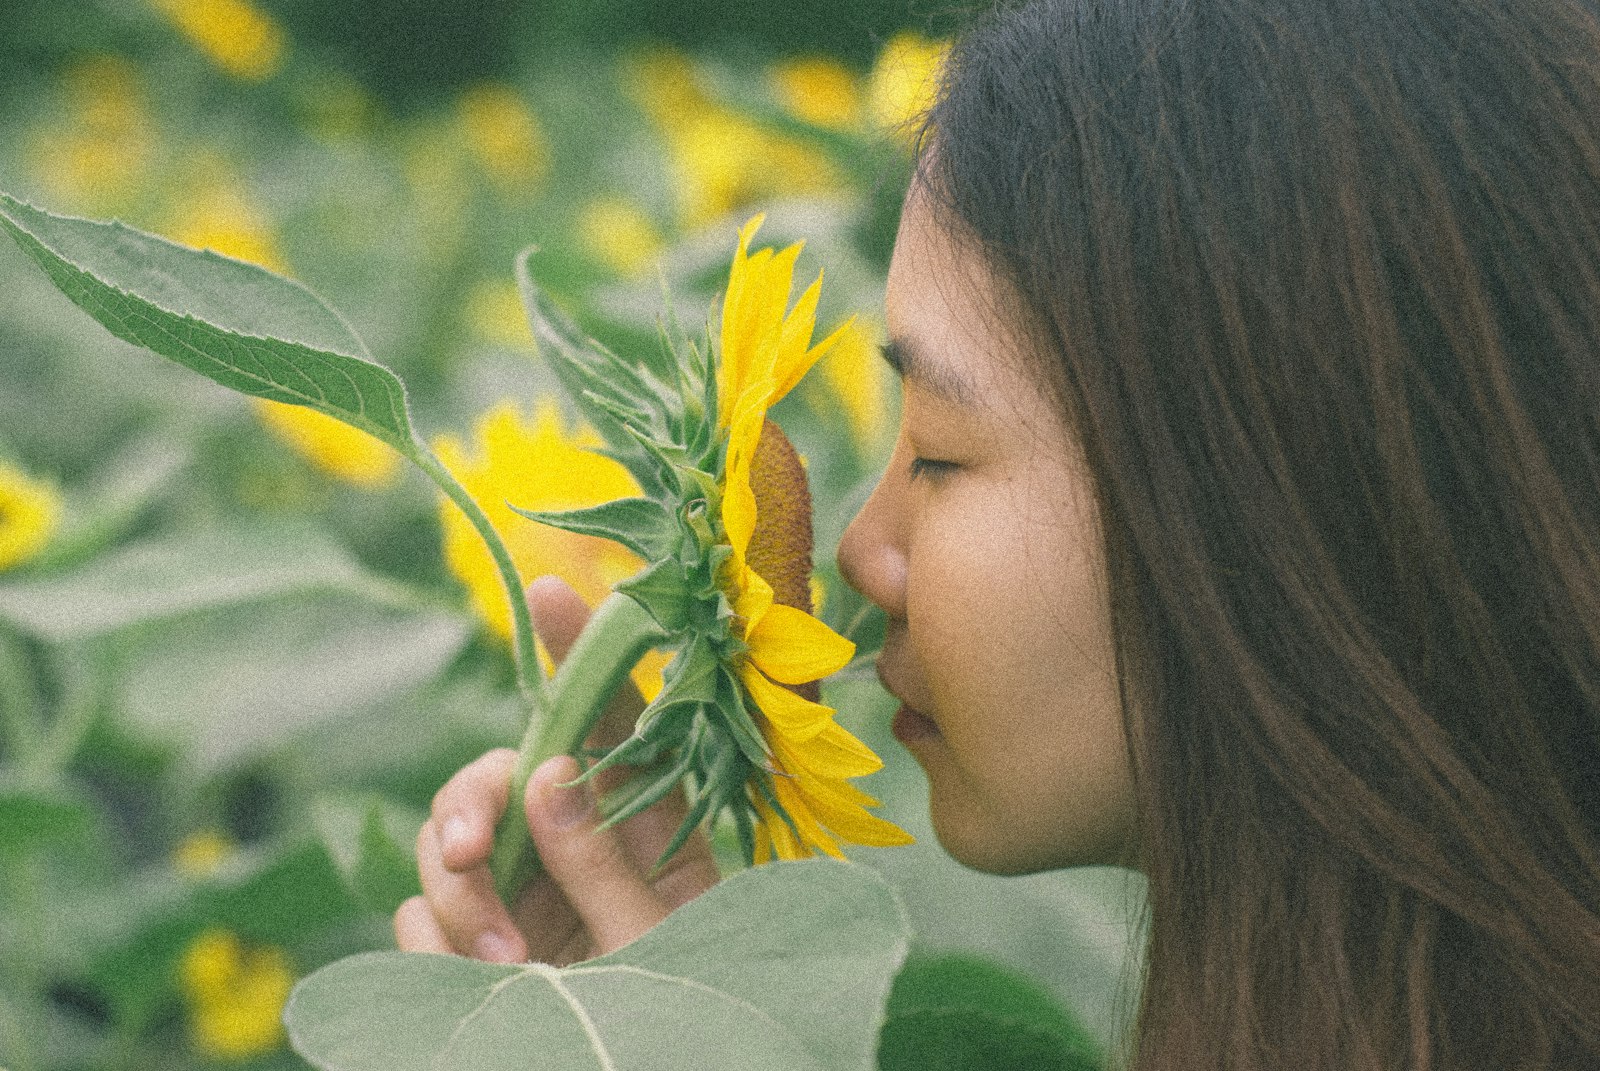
<point>1243,526</point>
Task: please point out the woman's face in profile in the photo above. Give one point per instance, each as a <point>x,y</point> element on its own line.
<point>982,543</point>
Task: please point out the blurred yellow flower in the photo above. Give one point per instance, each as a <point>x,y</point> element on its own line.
<point>720,159</point>
<point>495,315</point>
<point>331,445</point>
<point>202,853</point>
<point>857,377</point>
<point>537,465</point>
<point>235,995</point>
<point>504,136</point>
<point>102,149</point>
<point>617,233</point>
<point>904,82</point>
<point>216,213</point>
<point>30,512</point>
<point>236,35</point>
<point>819,90</point>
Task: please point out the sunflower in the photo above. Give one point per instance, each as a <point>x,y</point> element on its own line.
<point>723,520</point>
<point>804,802</point>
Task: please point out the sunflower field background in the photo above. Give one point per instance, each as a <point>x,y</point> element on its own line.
<point>240,645</point>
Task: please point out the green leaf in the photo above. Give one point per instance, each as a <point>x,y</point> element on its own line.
<point>170,576</point>
<point>958,1011</point>
<point>639,524</point>
<point>370,842</point>
<point>233,683</point>
<point>784,967</point>
<point>236,323</point>
<point>35,817</point>
<point>280,896</point>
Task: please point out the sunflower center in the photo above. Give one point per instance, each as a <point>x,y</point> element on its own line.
<point>780,545</point>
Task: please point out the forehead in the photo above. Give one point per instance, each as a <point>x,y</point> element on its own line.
<point>949,317</point>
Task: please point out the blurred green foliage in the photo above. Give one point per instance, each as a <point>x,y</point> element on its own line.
<point>238,664</point>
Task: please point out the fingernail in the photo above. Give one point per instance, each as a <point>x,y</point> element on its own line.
<point>496,948</point>
<point>454,836</point>
<point>569,806</point>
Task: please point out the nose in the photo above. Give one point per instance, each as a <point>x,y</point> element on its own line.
<point>872,553</point>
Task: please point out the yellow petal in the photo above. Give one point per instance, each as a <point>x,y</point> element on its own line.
<point>790,715</point>
<point>842,808</point>
<point>777,837</point>
<point>798,806</point>
<point>752,597</point>
<point>832,753</point>
<point>792,647</point>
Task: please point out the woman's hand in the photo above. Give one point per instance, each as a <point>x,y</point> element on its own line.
<point>593,896</point>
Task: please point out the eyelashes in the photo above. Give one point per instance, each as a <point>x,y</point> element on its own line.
<point>930,468</point>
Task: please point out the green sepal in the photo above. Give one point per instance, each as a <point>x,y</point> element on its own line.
<point>663,590</point>
<point>736,719</point>
<point>662,732</point>
<point>690,684</point>
<point>723,779</point>
<point>646,790</point>
<point>640,524</point>
<point>743,826</point>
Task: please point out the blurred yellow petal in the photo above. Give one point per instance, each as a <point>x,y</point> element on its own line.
<point>235,995</point>
<point>216,213</point>
<point>30,513</point>
<point>504,136</point>
<point>202,853</point>
<point>537,465</point>
<point>617,233</point>
<point>236,35</point>
<point>857,376</point>
<point>496,315</point>
<point>819,90</point>
<point>330,444</point>
<point>904,82</point>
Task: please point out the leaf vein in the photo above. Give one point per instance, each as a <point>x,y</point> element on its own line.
<point>554,977</point>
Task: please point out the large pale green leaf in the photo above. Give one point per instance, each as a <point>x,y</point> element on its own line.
<point>783,967</point>
<point>168,576</point>
<point>239,324</point>
<point>230,684</point>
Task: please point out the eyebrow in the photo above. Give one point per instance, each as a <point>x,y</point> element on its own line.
<point>913,365</point>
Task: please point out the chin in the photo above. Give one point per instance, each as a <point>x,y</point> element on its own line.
<point>996,847</point>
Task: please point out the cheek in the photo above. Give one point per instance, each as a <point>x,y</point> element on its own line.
<point>1008,615</point>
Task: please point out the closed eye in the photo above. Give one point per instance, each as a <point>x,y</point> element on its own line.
<point>931,468</point>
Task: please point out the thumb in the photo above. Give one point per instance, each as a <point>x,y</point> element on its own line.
<point>591,868</point>
<point>559,613</point>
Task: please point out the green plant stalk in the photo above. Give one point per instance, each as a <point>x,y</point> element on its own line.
<point>530,677</point>
<point>618,634</point>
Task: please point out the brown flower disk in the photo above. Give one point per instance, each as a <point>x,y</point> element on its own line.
<point>780,546</point>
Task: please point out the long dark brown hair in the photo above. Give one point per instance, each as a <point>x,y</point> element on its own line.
<point>1319,282</point>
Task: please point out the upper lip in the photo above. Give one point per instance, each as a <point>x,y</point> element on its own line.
<point>886,666</point>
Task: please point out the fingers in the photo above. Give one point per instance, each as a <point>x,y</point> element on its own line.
<point>600,882</point>
<point>464,906</point>
<point>467,808</point>
<point>559,614</point>
<point>453,849</point>
<point>416,930</point>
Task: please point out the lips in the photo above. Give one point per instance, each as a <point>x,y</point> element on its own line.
<point>909,723</point>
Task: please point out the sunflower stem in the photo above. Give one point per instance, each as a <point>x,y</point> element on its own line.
<point>530,677</point>
<point>618,634</point>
